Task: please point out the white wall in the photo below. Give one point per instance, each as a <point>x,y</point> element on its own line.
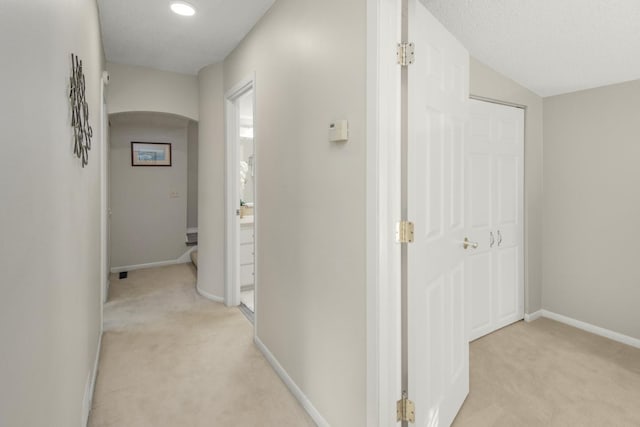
<point>49,214</point>
<point>309,60</point>
<point>147,224</point>
<point>211,178</point>
<point>490,84</point>
<point>192,174</point>
<point>592,206</point>
<point>133,88</point>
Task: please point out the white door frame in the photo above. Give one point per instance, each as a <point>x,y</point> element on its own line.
<point>383,282</point>
<point>104,197</point>
<point>232,195</point>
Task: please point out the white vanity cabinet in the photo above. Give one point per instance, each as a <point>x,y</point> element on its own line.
<point>246,255</point>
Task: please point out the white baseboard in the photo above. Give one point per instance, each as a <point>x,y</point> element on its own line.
<point>209,296</point>
<point>293,387</point>
<point>183,259</point>
<point>615,336</point>
<point>106,293</point>
<point>89,391</point>
<point>186,257</point>
<point>143,266</point>
<point>533,316</point>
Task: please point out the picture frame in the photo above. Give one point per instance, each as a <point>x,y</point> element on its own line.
<point>150,153</point>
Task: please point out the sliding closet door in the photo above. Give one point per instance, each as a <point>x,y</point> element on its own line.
<point>494,209</point>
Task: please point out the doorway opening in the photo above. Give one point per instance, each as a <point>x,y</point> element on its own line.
<point>153,169</point>
<point>241,196</point>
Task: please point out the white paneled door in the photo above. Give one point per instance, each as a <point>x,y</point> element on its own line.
<point>494,215</point>
<point>437,335</point>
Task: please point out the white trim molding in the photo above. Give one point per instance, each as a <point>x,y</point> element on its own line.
<point>104,194</point>
<point>143,266</point>
<point>384,171</point>
<point>91,386</point>
<point>185,258</point>
<point>615,336</point>
<point>192,230</point>
<point>533,316</point>
<point>207,295</point>
<point>291,385</point>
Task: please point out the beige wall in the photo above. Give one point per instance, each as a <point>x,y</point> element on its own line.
<point>133,88</point>
<point>488,83</point>
<point>147,223</point>
<point>50,214</point>
<point>211,178</point>
<point>592,206</point>
<point>192,175</point>
<point>311,279</point>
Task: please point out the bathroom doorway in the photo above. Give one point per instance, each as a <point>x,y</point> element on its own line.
<point>246,176</point>
<point>241,173</point>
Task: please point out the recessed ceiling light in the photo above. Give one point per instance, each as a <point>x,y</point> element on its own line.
<point>182,8</point>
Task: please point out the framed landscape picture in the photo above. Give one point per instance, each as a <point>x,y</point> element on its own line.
<point>150,154</point>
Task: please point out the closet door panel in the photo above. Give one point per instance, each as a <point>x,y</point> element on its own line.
<point>480,268</point>
<point>505,282</point>
<point>495,180</point>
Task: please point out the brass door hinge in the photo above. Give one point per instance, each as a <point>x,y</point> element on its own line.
<point>404,232</point>
<point>405,53</point>
<point>406,409</point>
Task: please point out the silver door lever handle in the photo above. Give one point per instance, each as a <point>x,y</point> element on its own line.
<point>499,238</point>
<point>492,240</point>
<point>467,243</point>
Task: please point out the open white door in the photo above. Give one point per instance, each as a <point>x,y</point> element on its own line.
<point>438,349</point>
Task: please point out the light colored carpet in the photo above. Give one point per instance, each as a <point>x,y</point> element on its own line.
<point>546,373</point>
<point>172,358</point>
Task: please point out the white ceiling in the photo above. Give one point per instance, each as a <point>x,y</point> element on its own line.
<point>147,33</point>
<point>549,46</point>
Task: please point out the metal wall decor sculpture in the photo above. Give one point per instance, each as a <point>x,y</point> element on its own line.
<point>82,131</point>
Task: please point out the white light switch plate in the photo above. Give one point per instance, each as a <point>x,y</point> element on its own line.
<point>339,131</point>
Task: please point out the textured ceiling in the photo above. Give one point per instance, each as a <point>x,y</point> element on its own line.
<point>147,33</point>
<point>549,46</point>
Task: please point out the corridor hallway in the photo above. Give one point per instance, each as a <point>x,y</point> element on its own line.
<point>173,358</point>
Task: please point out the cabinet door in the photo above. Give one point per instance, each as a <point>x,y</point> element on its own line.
<point>246,254</point>
<point>246,235</point>
<point>246,275</point>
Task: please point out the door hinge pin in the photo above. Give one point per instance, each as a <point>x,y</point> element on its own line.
<point>406,409</point>
<point>405,54</point>
<point>404,232</point>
